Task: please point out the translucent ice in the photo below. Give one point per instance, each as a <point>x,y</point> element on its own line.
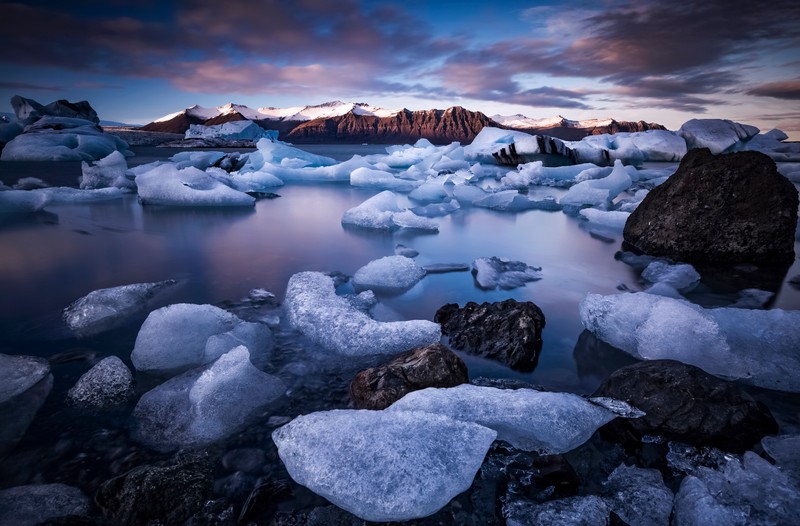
<point>25,382</point>
<point>20,373</point>
<point>235,130</point>
<point>334,323</point>
<point>436,209</point>
<point>757,346</point>
<point>639,496</point>
<point>21,202</point>
<point>613,219</point>
<point>166,185</point>
<point>494,272</point>
<point>104,309</point>
<point>108,383</point>
<point>370,178</point>
<point>717,135</point>
<point>110,171</point>
<point>785,450</point>
<point>536,173</point>
<point>548,423</point>
<point>681,276</point>
<point>632,148</point>
<point>40,503</point>
<point>280,153</point>
<point>599,192</point>
<point>205,405</point>
<point>62,139</point>
<point>381,212</point>
<point>383,466</point>
<point>513,201</point>
<point>392,274</point>
<point>571,511</point>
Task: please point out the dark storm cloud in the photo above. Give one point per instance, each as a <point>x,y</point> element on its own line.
<point>785,89</point>
<point>27,86</point>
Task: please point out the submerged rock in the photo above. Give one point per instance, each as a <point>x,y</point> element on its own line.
<point>38,503</point>
<point>431,366</point>
<point>108,383</point>
<point>686,404</point>
<point>508,331</point>
<point>723,210</point>
<point>383,466</point>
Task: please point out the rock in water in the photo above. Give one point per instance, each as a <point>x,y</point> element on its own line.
<point>733,208</point>
<point>383,466</point>
<point>431,366</point>
<point>686,404</point>
<point>104,309</point>
<point>37,503</point>
<point>108,383</point>
<point>508,331</point>
<point>547,423</point>
<point>165,494</point>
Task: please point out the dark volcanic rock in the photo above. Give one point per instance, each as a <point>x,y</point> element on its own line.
<point>733,208</point>
<point>508,331</point>
<point>686,404</point>
<point>165,494</point>
<point>431,366</point>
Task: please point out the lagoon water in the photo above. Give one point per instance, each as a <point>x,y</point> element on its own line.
<point>51,259</point>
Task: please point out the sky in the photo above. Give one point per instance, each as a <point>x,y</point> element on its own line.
<point>664,62</point>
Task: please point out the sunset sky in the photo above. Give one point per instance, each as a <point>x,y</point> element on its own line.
<point>658,61</point>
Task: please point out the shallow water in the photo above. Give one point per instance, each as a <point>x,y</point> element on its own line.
<point>49,260</point>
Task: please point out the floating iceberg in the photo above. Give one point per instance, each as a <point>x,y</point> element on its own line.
<point>771,143</point>
<point>756,346</point>
<point>21,202</point>
<point>383,466</point>
<point>436,209</point>
<point>494,272</point>
<point>536,173</point>
<point>104,309</point>
<point>108,383</point>
<point>680,276</point>
<point>370,178</point>
<point>600,192</point>
<point>490,141</point>
<point>42,503</point>
<point>205,405</point>
<point>513,201</point>
<point>62,139</point>
<point>110,171</point>
<point>334,323</point>
<point>391,274</point>
<point>547,423</point>
<point>632,148</point>
<point>230,131</point>
<point>184,335</point>
<point>718,135</point>
<point>166,185</point>
<point>281,154</point>
<point>611,219</point>
<point>381,212</point>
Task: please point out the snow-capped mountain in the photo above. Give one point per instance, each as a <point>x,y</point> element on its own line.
<point>521,121</point>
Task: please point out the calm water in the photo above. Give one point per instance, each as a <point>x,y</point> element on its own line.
<point>51,259</point>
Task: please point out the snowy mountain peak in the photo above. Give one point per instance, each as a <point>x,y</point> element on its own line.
<point>521,121</point>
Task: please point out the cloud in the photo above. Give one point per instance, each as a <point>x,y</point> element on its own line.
<point>785,89</point>
<point>25,86</point>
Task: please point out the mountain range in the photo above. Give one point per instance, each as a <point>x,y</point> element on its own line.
<point>348,122</point>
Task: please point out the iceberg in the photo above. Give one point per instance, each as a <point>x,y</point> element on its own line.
<point>771,143</point>
<point>231,131</point>
<point>108,383</point>
<point>631,148</point>
<point>682,276</point>
<point>390,274</point>
<point>383,466</point>
<point>513,201</point>
<point>436,209</point>
<point>757,346</point>
<point>611,219</point>
<point>543,422</point>
<point>332,322</point>
<point>166,185</point>
<point>204,405</point>
<point>494,272</point>
<point>381,212</point>
<point>370,178</point>
<point>537,173</point>
<point>110,171</point>
<point>21,202</point>
<point>599,192</point>
<point>281,154</point>
<point>62,139</point>
<point>105,309</point>
<point>718,135</point>
<point>42,503</point>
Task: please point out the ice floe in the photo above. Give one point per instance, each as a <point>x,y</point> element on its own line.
<point>390,274</point>
<point>166,185</point>
<point>383,466</point>
<point>110,171</point>
<point>600,192</point>
<point>638,496</point>
<point>718,135</point>
<point>334,323</point>
<point>631,148</point>
<point>382,212</point>
<point>493,272</point>
<point>21,202</point>
<point>370,178</point>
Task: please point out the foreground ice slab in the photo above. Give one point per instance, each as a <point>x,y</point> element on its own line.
<point>108,383</point>
<point>205,405</point>
<point>37,503</point>
<point>104,309</point>
<point>166,185</point>
<point>571,511</point>
<point>334,323</point>
<point>494,272</point>
<point>391,274</point>
<point>547,423</point>
<point>185,335</point>
<point>383,466</point>
<point>756,346</point>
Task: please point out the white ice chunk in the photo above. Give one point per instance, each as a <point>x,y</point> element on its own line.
<point>548,423</point>
<point>205,405</point>
<point>383,466</point>
<point>63,139</point>
<point>21,202</point>
<point>680,276</point>
<point>536,173</point>
<point>332,322</point>
<point>37,503</point>
<point>381,212</point>
<point>639,496</point>
<point>369,178</point>
<point>436,209</point>
<point>771,143</point>
<point>276,152</point>
<point>613,219</point>
<point>110,171</point>
<point>199,160</point>
<point>632,148</point>
<point>166,185</point>
<point>718,135</point>
<point>494,272</point>
<point>599,192</point>
<point>571,511</point>
<point>408,219</point>
<point>757,346</point>
<point>257,337</point>
<point>108,383</point>
<point>64,195</point>
<point>513,201</point>
<point>431,191</point>
<point>391,274</point>
<point>104,309</point>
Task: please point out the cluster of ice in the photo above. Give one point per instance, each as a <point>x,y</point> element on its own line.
<point>771,143</point>
<point>167,185</point>
<point>632,148</point>
<point>599,192</point>
<point>334,323</point>
<point>108,383</point>
<point>574,511</point>
<point>381,212</point>
<point>383,466</point>
<point>104,309</point>
<point>236,130</point>
<point>740,492</point>
<point>25,382</point>
<point>718,135</point>
<point>544,422</point>
<point>436,209</point>
<point>185,335</point>
<point>204,405</point>
<point>42,503</point>
<point>757,346</point>
<point>680,277</point>
<point>513,201</point>
<point>110,171</point>
<point>537,173</point>
<point>494,272</point>
<point>62,139</point>
<point>371,178</point>
<point>390,274</point>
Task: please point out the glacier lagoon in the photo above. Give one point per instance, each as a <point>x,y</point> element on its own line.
<point>52,258</point>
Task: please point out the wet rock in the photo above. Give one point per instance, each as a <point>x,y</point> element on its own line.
<point>508,331</point>
<point>168,494</point>
<point>686,404</point>
<point>727,209</point>
<point>106,384</point>
<point>37,503</point>
<point>431,366</point>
